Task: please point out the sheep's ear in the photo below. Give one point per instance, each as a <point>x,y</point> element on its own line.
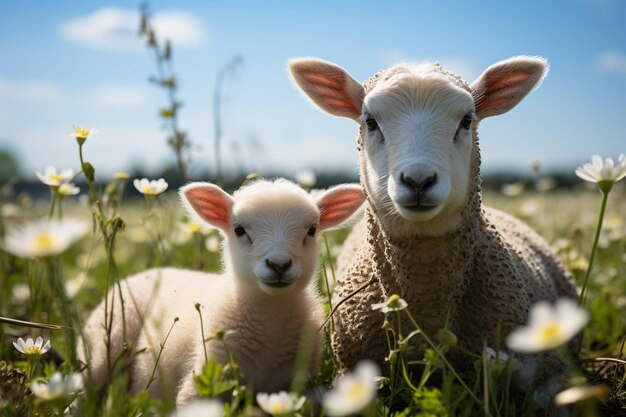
<point>339,203</point>
<point>207,202</point>
<point>501,86</point>
<point>329,86</point>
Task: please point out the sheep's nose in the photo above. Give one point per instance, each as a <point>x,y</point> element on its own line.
<point>419,185</point>
<point>278,267</point>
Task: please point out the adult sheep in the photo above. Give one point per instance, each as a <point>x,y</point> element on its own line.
<point>426,235</point>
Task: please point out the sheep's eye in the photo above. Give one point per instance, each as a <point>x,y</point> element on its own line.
<point>239,230</point>
<point>466,121</point>
<point>371,123</point>
<point>311,231</point>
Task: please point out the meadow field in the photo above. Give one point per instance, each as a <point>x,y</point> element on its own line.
<point>128,237</point>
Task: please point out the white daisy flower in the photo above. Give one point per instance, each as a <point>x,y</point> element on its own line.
<point>68,188</point>
<point>43,237</point>
<point>212,244</point>
<point>280,403</point>
<point>74,285</point>
<point>394,303</point>
<point>20,293</point>
<point>59,386</point>
<point>548,326</point>
<point>603,171</point>
<point>354,391</point>
<point>30,347</point>
<point>81,133</point>
<point>154,187</point>
<point>581,393</point>
<point>306,178</point>
<point>10,210</point>
<point>54,178</point>
<point>513,189</point>
<point>120,175</point>
<point>184,232</point>
<point>201,408</point>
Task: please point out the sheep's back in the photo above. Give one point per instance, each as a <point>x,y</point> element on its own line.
<point>513,269</point>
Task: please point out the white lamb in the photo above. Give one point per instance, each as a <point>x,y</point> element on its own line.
<point>426,235</point>
<point>264,300</point>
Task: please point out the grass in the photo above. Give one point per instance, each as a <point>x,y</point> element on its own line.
<point>154,236</point>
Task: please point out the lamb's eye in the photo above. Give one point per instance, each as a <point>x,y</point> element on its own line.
<point>371,123</point>
<point>239,230</point>
<point>311,231</point>
<point>466,121</point>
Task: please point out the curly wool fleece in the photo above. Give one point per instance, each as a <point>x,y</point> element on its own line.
<point>486,274</point>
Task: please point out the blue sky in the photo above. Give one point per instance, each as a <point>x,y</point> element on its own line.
<point>60,66</point>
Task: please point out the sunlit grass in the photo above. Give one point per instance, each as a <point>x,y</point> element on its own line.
<point>158,234</point>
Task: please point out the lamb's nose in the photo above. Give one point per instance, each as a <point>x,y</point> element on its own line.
<point>420,185</point>
<point>278,267</point>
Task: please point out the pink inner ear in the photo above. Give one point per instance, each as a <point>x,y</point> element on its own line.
<point>330,87</point>
<point>339,205</point>
<point>501,90</point>
<point>512,78</point>
<point>210,205</point>
<point>333,81</point>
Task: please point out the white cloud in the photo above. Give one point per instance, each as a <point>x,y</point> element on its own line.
<point>465,67</point>
<point>117,30</point>
<point>29,90</point>
<point>612,61</point>
<point>120,96</point>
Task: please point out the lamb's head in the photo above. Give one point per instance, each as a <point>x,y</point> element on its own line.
<point>271,227</point>
<point>417,139</point>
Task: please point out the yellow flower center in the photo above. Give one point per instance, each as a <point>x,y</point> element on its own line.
<point>81,133</point>
<point>356,391</point>
<point>193,228</point>
<point>55,177</point>
<point>44,242</point>
<point>549,332</point>
<point>276,408</point>
<point>147,190</point>
<point>33,350</point>
<point>120,175</point>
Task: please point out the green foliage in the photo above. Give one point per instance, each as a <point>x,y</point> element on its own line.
<point>214,380</point>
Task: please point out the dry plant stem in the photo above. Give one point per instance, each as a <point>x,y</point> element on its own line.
<point>109,240</point>
<point>177,141</point>
<point>206,356</point>
<point>23,323</point>
<point>158,358</point>
<point>583,292</point>
<point>217,114</point>
<point>343,300</point>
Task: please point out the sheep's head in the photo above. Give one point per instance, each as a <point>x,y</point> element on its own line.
<point>417,132</point>
<point>271,227</point>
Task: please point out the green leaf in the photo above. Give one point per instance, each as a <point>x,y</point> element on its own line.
<point>213,381</point>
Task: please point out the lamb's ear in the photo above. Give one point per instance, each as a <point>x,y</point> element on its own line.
<point>207,202</point>
<point>339,203</point>
<point>501,86</point>
<point>329,86</point>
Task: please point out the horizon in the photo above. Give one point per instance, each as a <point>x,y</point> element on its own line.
<point>78,63</point>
